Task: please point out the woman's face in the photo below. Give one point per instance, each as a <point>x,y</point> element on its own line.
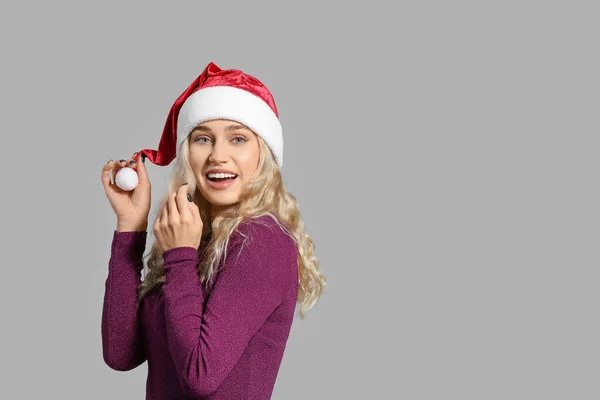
<point>227,145</point>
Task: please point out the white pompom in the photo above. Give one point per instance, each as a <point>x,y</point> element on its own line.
<point>126,178</point>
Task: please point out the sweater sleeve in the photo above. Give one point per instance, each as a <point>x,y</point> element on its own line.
<point>121,337</point>
<point>206,343</point>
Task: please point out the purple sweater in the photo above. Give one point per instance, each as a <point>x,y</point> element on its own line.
<point>224,344</point>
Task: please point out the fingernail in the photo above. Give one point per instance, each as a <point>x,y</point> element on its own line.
<point>184,184</point>
<point>121,160</point>
<point>132,162</point>
<point>143,158</point>
<point>109,161</point>
<point>135,153</point>
<point>189,196</point>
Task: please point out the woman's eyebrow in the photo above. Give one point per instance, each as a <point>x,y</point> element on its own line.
<point>201,128</point>
<point>233,127</point>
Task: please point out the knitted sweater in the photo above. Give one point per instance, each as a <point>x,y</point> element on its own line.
<point>224,344</point>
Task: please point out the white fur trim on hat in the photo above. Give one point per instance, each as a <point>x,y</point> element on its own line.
<point>227,102</point>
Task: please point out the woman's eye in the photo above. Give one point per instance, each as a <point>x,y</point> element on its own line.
<point>200,138</point>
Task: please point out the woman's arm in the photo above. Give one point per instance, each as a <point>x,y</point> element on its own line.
<point>121,331</point>
<point>206,343</point>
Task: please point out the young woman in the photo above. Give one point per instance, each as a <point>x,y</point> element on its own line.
<point>231,257</point>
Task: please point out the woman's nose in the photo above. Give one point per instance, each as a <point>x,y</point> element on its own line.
<point>218,153</point>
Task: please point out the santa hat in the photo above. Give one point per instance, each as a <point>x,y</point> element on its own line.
<point>220,94</point>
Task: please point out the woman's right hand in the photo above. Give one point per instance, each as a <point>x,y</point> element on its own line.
<point>131,207</point>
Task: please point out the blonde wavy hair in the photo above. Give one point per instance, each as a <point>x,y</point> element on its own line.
<point>264,194</point>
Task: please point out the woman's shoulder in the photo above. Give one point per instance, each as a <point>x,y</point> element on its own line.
<point>259,225</point>
<point>264,231</point>
<point>263,244</point>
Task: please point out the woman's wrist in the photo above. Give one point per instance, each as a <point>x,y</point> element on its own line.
<point>129,227</point>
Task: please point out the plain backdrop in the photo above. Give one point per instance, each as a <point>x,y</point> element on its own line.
<point>444,155</point>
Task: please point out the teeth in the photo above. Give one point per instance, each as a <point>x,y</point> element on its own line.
<point>221,175</point>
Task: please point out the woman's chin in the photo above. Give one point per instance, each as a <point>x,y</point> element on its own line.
<point>218,198</point>
<point>222,200</point>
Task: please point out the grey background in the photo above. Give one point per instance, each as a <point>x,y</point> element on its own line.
<point>444,156</point>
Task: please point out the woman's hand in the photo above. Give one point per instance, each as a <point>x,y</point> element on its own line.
<point>178,223</point>
<point>131,207</point>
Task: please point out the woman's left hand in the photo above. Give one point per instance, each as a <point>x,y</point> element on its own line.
<point>178,223</point>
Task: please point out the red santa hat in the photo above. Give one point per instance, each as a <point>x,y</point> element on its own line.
<point>220,94</point>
